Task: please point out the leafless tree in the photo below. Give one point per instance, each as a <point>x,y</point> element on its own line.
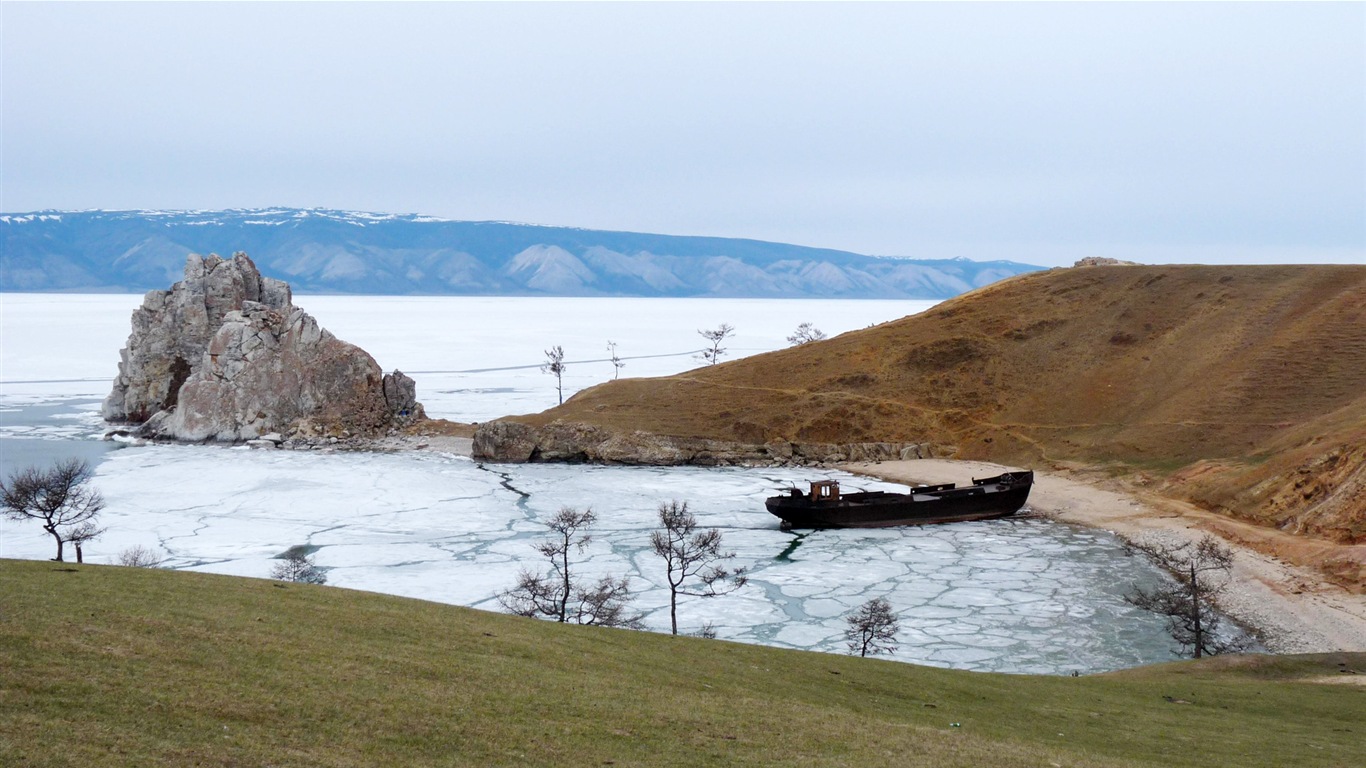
<point>60,498</point>
<point>872,628</point>
<point>81,535</point>
<point>715,336</point>
<point>1200,572</point>
<point>296,564</point>
<point>549,595</point>
<point>554,364</point>
<point>139,557</point>
<point>617,362</point>
<point>805,333</point>
<point>606,604</point>
<point>558,594</point>
<point>689,553</point>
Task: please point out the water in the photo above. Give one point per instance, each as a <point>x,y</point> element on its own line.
<point>39,434</point>
<point>1021,596</point>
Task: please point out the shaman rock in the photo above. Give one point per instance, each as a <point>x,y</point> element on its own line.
<point>225,355</point>
<point>172,329</point>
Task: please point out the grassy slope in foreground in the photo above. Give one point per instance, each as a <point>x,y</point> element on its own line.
<point>1242,389</point>
<point>119,666</point>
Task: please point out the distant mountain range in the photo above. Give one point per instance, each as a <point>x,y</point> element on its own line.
<point>326,251</point>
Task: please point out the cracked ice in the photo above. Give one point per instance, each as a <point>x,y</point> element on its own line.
<point>1022,596</point>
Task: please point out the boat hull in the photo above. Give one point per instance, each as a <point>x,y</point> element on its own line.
<point>995,497</point>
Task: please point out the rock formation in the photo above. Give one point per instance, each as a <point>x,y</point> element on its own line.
<point>1104,261</point>
<point>225,355</point>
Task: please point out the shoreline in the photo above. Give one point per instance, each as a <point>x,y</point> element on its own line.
<point>1293,608</point>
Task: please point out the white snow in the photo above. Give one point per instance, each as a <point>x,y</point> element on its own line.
<point>30,217</point>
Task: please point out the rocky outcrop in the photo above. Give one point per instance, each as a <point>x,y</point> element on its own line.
<point>400,395</point>
<point>173,328</point>
<point>1104,261</point>
<point>566,441</point>
<point>225,355</point>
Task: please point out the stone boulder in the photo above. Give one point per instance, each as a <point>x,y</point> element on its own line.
<point>505,441</point>
<point>225,355</point>
<point>400,396</point>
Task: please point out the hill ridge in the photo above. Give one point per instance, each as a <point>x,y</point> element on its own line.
<point>1231,387</point>
<point>326,250</point>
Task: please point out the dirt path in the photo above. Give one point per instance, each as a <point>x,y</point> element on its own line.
<point>1293,606</point>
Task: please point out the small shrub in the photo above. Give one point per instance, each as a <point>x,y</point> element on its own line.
<point>139,557</point>
<point>297,565</point>
<point>805,334</point>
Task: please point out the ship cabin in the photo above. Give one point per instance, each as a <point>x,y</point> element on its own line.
<point>825,490</point>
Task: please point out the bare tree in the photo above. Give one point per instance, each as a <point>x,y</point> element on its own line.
<point>872,629</point>
<point>558,594</point>
<point>617,362</point>
<point>605,604</point>
<point>554,363</point>
<point>60,498</point>
<point>690,553</point>
<point>81,535</point>
<point>297,565</point>
<point>1200,572</point>
<point>805,333</point>
<point>715,336</point>
<point>139,557</point>
<point>549,595</point>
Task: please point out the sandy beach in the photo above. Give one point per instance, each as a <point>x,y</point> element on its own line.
<point>1293,607</point>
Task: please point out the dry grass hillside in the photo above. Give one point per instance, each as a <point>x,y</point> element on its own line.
<point>145,667</point>
<point>1242,389</point>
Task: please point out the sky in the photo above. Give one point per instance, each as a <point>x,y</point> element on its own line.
<point>1042,133</point>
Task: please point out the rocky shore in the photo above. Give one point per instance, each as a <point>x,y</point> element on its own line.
<point>576,442</point>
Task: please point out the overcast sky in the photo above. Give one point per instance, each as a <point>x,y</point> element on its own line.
<point>1223,133</point>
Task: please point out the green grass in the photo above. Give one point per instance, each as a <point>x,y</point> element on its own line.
<point>110,666</point>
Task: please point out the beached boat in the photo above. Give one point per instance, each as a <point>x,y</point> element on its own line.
<point>826,507</point>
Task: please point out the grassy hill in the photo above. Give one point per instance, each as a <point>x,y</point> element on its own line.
<point>131,667</point>
<point>1241,388</point>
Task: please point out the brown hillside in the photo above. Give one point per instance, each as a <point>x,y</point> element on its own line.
<point>1243,388</point>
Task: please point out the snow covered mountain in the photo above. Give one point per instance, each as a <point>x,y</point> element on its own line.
<point>326,251</point>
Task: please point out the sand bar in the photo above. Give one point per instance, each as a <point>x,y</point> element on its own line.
<point>1294,607</point>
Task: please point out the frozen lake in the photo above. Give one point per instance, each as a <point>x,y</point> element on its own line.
<point>474,358</point>
<point>1022,596</point>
